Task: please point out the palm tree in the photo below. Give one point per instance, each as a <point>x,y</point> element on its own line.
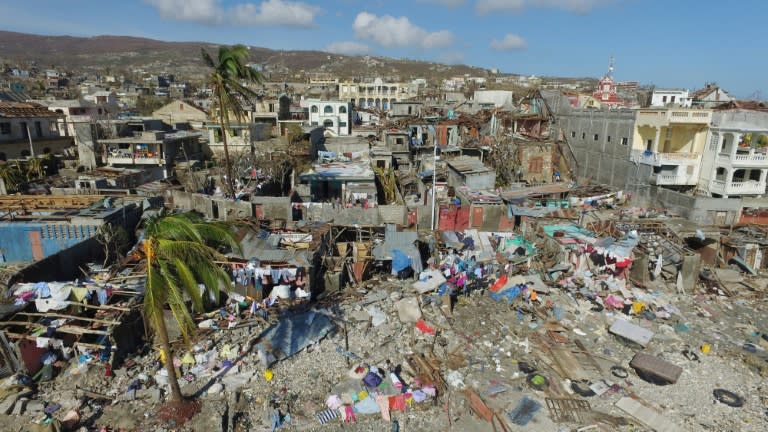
<point>180,254</point>
<point>226,78</point>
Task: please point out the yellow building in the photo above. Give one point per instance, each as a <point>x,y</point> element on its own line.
<point>672,141</point>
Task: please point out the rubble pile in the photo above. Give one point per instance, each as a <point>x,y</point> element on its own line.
<point>543,331</point>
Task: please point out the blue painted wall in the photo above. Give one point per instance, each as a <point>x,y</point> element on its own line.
<point>16,241</point>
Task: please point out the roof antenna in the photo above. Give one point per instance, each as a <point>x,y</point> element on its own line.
<point>610,67</point>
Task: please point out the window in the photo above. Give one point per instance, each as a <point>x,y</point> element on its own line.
<point>5,128</point>
<point>597,137</point>
<point>24,130</point>
<point>583,135</point>
<point>608,138</point>
<point>624,141</point>
<point>328,123</point>
<point>672,99</point>
<point>38,129</point>
<point>314,123</point>
<point>342,110</point>
<point>649,145</point>
<point>235,132</point>
<point>399,141</point>
<point>573,134</point>
<point>181,107</point>
<point>314,108</point>
<point>342,124</point>
<point>535,165</point>
<point>664,99</point>
<point>328,109</point>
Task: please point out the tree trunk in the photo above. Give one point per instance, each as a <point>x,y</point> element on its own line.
<point>165,347</point>
<point>227,162</point>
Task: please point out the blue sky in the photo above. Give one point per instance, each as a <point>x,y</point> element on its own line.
<point>671,43</point>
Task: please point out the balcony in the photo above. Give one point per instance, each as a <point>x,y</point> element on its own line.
<point>748,187</point>
<point>745,160</point>
<point>127,160</point>
<point>672,179</point>
<point>659,159</point>
<point>663,117</point>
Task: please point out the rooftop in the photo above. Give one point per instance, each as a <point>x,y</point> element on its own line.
<point>25,110</point>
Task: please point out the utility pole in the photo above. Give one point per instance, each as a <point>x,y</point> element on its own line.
<point>434,181</point>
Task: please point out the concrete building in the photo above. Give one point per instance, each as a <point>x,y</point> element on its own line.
<point>469,171</point>
<point>671,141</point>
<point>334,116</point>
<point>180,111</point>
<point>406,109</point>
<point>152,148</point>
<point>736,160</point>
<point>30,129</point>
<point>710,96</point>
<point>497,98</point>
<point>375,94</point>
<point>670,97</point>
<point>605,142</point>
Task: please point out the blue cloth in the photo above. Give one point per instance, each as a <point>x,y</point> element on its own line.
<point>400,261</point>
<point>102,296</point>
<point>43,290</point>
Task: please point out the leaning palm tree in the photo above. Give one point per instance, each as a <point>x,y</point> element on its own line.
<point>180,253</point>
<point>228,78</point>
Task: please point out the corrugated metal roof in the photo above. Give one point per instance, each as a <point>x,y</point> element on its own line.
<point>403,241</point>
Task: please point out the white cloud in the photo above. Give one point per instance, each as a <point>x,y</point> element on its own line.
<point>446,3</point>
<point>203,11</point>
<point>348,48</point>
<point>509,42</point>
<point>268,12</point>
<point>391,32</point>
<point>275,12</point>
<point>581,6</point>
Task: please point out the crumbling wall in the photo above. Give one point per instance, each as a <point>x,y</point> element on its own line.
<point>273,207</point>
<point>536,162</point>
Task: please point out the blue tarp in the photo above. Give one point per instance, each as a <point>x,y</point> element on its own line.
<point>294,333</point>
<point>524,411</point>
<point>400,261</point>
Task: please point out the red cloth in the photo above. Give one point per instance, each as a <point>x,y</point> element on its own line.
<point>397,403</point>
<point>424,327</point>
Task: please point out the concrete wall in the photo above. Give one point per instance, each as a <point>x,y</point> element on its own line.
<point>210,207</point>
<point>318,212</point>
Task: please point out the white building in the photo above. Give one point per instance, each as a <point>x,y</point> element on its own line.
<point>736,160</point>
<point>376,94</point>
<point>334,116</point>
<point>670,97</point>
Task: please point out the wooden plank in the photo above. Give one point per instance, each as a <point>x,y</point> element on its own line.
<point>648,417</point>
<point>591,359</point>
<point>74,317</point>
<point>569,364</point>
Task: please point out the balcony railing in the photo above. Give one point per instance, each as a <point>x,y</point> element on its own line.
<point>662,116</point>
<point>672,179</point>
<point>665,158</point>
<point>749,187</point>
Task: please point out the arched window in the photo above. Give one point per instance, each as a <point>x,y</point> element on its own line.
<point>328,123</point>
<point>342,110</point>
<point>328,109</point>
<point>314,108</point>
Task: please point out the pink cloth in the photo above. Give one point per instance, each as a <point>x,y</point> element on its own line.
<point>349,414</point>
<point>383,402</point>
